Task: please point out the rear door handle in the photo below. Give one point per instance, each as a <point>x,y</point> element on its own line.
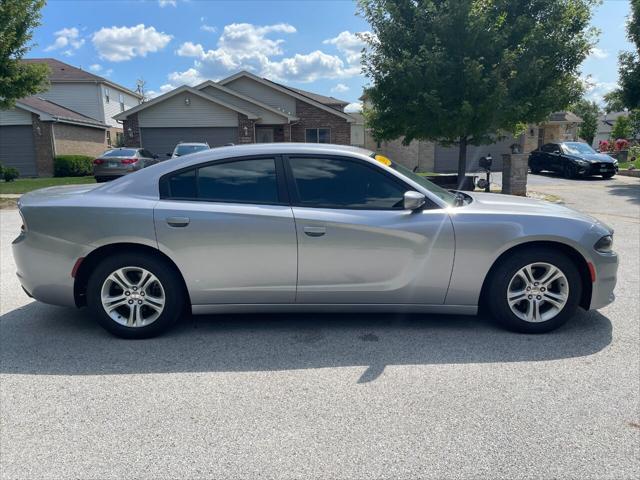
<point>178,221</point>
<point>315,231</point>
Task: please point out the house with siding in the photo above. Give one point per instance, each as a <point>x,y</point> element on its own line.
<point>242,108</point>
<point>74,115</point>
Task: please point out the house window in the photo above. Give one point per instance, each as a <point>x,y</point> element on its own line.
<point>318,135</point>
<point>108,138</point>
<point>121,100</point>
<point>107,95</point>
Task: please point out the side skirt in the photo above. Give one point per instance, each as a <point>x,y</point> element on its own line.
<point>329,308</point>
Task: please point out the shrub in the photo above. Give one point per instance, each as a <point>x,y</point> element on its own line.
<point>1,167</point>
<point>621,144</point>
<point>603,145</point>
<point>10,174</point>
<point>72,166</point>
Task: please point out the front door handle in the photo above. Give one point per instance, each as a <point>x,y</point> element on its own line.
<point>178,221</point>
<point>315,231</point>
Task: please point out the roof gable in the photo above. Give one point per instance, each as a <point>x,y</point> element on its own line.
<point>52,111</point>
<point>184,88</point>
<point>287,91</point>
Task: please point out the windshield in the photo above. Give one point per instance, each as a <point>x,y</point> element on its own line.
<point>439,192</point>
<point>120,153</point>
<point>577,148</point>
<point>187,149</point>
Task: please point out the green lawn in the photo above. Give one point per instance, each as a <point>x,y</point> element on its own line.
<point>625,165</point>
<point>24,185</point>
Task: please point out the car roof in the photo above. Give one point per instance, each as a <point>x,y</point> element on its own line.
<point>191,143</point>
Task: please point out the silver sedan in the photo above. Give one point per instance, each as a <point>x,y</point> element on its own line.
<point>304,227</point>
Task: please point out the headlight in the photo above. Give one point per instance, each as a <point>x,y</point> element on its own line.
<point>604,244</point>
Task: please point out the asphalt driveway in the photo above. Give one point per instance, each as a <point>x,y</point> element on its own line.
<point>328,396</point>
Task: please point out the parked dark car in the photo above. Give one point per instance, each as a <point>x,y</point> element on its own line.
<point>117,162</point>
<point>572,159</point>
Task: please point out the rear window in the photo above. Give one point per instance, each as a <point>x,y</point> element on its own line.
<point>120,153</point>
<point>187,149</point>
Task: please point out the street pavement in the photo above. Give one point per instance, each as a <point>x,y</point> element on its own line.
<point>329,396</point>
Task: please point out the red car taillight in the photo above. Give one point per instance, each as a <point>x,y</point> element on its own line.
<point>98,161</point>
<point>128,161</point>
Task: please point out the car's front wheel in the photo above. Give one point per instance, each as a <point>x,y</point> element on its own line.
<point>607,176</point>
<point>569,171</point>
<point>535,290</point>
<point>135,296</point>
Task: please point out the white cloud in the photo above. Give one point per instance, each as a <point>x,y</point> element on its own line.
<point>167,3</point>
<point>118,44</point>
<point>188,77</point>
<point>208,28</point>
<point>598,53</point>
<point>596,90</point>
<point>67,38</point>
<point>350,45</point>
<point>244,46</point>
<point>355,107</point>
<point>340,88</point>
<point>163,89</point>
<point>96,67</point>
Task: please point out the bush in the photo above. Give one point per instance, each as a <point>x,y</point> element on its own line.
<point>72,166</point>
<point>10,174</point>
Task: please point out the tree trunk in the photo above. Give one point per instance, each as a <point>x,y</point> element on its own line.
<point>462,161</point>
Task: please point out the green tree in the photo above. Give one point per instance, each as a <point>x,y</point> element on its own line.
<point>629,62</point>
<point>588,111</point>
<point>621,128</point>
<point>613,101</point>
<point>462,71</point>
<point>634,123</point>
<point>18,18</point>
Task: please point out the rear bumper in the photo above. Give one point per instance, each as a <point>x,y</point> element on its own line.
<point>44,266</point>
<point>606,269</point>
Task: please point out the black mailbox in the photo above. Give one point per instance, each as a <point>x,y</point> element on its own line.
<point>485,162</point>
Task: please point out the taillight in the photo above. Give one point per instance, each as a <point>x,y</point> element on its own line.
<point>98,161</point>
<point>128,161</point>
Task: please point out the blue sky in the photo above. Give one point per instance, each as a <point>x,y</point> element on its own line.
<point>305,43</point>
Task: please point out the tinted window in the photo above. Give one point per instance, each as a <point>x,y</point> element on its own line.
<point>339,183</point>
<point>183,185</point>
<point>120,153</point>
<point>577,148</point>
<point>245,181</point>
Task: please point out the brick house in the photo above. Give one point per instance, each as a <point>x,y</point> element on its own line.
<point>242,108</point>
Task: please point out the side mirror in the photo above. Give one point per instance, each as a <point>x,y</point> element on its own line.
<point>557,152</point>
<point>413,200</point>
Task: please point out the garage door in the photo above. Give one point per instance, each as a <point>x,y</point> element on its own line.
<point>163,140</point>
<point>446,158</point>
<point>17,150</point>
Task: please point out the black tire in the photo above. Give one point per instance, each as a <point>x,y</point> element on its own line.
<point>535,170</point>
<point>569,171</point>
<point>607,176</point>
<point>506,270</point>
<point>174,295</point>
<point>100,179</point>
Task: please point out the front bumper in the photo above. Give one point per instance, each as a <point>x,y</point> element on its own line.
<point>606,269</point>
<point>598,169</point>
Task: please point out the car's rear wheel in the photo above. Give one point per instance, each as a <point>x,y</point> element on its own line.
<point>135,296</point>
<point>535,169</point>
<point>535,290</point>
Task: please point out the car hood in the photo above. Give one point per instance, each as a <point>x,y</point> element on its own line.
<point>595,157</point>
<point>511,204</point>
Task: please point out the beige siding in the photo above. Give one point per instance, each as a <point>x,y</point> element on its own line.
<point>268,95</point>
<point>78,140</point>
<point>357,134</point>
<point>83,98</point>
<point>113,107</point>
<point>15,116</point>
<point>266,117</point>
<point>174,112</point>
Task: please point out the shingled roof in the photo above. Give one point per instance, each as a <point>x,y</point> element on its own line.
<point>63,72</point>
<point>58,112</point>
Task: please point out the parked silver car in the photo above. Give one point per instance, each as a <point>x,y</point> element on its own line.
<point>117,162</point>
<point>305,227</point>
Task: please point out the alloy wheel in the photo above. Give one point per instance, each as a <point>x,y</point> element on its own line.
<point>133,297</point>
<point>538,292</point>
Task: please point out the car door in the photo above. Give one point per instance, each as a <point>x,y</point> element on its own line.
<point>555,157</point>
<point>229,228</point>
<point>356,243</point>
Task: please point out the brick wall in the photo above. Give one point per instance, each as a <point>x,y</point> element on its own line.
<point>43,143</point>
<point>78,140</point>
<point>314,117</point>
<point>133,140</point>
<point>246,129</point>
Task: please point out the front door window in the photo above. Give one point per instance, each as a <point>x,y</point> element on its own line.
<point>264,135</point>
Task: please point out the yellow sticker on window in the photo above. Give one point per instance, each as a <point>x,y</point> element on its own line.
<point>384,160</point>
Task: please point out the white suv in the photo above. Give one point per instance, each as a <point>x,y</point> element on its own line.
<point>187,148</point>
